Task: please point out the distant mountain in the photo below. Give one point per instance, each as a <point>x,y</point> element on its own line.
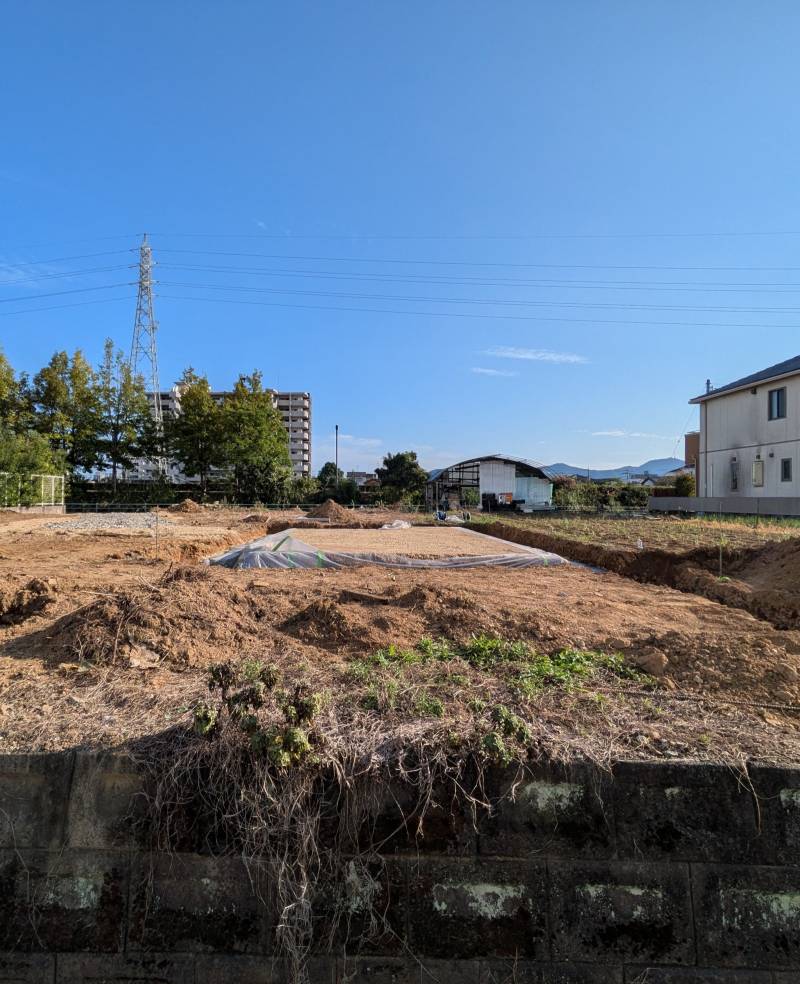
<point>656,466</point>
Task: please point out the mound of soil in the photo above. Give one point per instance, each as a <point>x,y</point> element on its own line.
<point>195,616</point>
<point>192,616</point>
<point>259,518</point>
<point>323,620</point>
<point>333,511</point>
<point>187,506</point>
<point>31,599</point>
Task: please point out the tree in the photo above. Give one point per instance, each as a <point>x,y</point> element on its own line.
<point>303,489</point>
<point>329,474</point>
<point>65,397</point>
<point>685,485</point>
<point>195,434</point>
<point>9,396</point>
<point>28,454</point>
<point>402,475</point>
<point>256,446</point>
<point>126,423</point>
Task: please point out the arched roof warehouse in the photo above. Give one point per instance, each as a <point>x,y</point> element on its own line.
<point>498,478</point>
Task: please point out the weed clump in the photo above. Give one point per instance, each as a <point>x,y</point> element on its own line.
<point>510,670</point>
<point>274,723</point>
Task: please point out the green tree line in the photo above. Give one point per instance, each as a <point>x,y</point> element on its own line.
<point>76,419</point>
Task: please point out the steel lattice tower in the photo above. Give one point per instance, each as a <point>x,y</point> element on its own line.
<point>144,354</point>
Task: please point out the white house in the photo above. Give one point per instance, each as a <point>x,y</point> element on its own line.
<point>750,435</point>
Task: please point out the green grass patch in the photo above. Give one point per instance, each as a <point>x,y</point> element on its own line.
<point>490,665</point>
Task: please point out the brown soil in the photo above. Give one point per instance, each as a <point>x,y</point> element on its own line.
<point>120,649</point>
<point>334,512</point>
<point>763,579</point>
<point>194,616</point>
<point>187,506</point>
<point>31,599</point>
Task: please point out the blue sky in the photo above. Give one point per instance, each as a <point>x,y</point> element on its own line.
<point>530,227</point>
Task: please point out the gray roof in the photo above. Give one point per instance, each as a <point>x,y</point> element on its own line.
<point>780,369</point>
<point>527,462</point>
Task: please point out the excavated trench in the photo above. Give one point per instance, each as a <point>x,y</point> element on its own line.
<point>764,581</point>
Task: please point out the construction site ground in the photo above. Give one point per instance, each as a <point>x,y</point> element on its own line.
<point>738,563</point>
<point>108,624</point>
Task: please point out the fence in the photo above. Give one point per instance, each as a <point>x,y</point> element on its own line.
<point>31,491</point>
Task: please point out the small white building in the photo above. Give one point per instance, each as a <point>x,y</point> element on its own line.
<point>491,481</point>
<point>750,435</point>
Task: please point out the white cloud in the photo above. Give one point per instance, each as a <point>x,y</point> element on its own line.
<point>624,433</point>
<point>492,372</point>
<point>360,442</point>
<point>355,452</point>
<point>535,355</point>
<point>31,276</point>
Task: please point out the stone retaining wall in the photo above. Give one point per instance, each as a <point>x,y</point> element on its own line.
<point>672,873</point>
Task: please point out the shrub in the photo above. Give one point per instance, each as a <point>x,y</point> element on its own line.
<point>685,485</point>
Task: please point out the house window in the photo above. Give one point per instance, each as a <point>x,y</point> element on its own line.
<point>777,403</point>
<point>786,469</point>
<point>758,473</point>
<point>734,476</point>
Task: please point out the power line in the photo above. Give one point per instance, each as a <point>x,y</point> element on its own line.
<point>464,314</point>
<point>59,293</point>
<point>486,302</point>
<point>475,238</point>
<point>434,281</point>
<point>60,276</point>
<point>62,259</point>
<point>549,266</point>
<point>58,307</point>
<point>69,242</point>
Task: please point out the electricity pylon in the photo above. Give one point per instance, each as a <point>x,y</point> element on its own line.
<point>144,354</point>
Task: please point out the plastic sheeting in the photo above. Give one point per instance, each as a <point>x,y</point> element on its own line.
<point>285,551</point>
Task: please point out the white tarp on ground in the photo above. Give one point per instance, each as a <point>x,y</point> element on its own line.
<point>285,550</point>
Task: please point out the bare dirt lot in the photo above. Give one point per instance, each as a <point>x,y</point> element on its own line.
<point>107,630</point>
<point>755,568</point>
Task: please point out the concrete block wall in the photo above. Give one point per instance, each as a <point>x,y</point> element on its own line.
<point>665,873</point>
<point>730,505</point>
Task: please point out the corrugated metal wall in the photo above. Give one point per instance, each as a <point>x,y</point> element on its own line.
<point>532,489</point>
<point>498,477</point>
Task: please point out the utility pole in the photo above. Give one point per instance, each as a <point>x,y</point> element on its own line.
<point>144,354</point>
<point>337,457</point>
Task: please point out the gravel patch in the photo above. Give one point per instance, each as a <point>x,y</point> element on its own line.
<point>109,521</point>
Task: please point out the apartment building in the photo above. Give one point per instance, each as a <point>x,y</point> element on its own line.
<point>295,411</point>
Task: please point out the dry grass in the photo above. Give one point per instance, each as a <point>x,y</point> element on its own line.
<point>673,534</point>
